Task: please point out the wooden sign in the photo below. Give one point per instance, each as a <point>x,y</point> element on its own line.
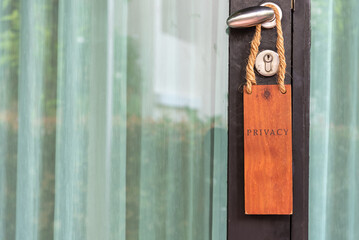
<point>268,150</point>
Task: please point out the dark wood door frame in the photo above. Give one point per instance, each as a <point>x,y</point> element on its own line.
<point>296,28</point>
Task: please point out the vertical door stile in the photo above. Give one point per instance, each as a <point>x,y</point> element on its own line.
<point>296,32</point>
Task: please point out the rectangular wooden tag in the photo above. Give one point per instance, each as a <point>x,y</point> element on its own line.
<point>268,150</point>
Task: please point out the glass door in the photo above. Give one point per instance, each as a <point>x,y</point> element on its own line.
<point>334,139</point>
<point>113,119</point>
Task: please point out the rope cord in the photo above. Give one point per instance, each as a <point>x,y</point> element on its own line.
<point>250,75</point>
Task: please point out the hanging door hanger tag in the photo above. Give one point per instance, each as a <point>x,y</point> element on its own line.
<point>268,150</point>
<point>267,121</point>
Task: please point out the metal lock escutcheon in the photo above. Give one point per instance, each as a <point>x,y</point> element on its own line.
<point>267,63</point>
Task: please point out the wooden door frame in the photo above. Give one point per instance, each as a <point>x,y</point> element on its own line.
<point>296,27</point>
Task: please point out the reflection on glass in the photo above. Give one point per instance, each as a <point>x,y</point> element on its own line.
<point>113,119</point>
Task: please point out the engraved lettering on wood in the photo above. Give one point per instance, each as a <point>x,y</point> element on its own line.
<point>268,151</point>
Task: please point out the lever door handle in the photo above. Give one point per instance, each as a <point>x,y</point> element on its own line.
<point>252,16</point>
<point>249,17</point>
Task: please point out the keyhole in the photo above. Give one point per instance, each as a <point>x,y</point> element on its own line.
<point>268,58</point>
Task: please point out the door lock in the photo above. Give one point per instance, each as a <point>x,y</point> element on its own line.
<point>267,63</point>
<point>268,58</point>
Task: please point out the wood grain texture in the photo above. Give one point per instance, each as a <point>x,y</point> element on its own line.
<point>268,151</point>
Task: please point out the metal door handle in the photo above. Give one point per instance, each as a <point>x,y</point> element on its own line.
<point>249,17</point>
<point>252,16</point>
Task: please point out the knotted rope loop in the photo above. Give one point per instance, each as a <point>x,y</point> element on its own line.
<point>250,75</point>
